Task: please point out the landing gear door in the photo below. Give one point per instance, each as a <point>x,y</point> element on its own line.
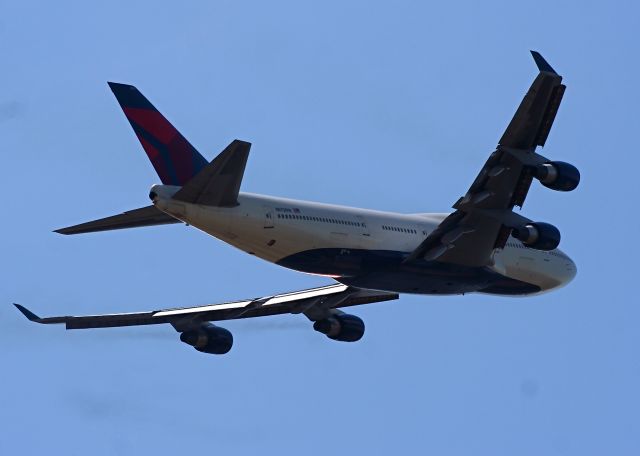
<point>269,216</point>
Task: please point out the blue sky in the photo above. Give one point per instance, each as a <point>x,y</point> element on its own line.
<point>391,106</point>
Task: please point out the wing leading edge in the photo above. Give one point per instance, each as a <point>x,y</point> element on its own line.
<point>314,303</point>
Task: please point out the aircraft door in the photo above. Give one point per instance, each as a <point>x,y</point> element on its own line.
<point>364,229</point>
<point>364,235</point>
<point>269,216</point>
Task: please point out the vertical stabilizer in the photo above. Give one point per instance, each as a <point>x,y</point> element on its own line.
<point>175,160</point>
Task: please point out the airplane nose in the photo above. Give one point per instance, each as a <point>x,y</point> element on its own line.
<point>570,270</point>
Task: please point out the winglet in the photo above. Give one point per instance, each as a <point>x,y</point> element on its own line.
<point>543,65</point>
<point>27,313</point>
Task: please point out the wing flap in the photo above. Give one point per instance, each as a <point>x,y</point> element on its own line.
<point>145,216</point>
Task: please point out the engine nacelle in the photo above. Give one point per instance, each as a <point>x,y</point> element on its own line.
<point>539,236</point>
<point>558,175</point>
<point>344,327</point>
<point>209,338</point>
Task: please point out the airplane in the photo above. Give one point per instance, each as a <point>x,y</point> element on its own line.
<point>483,246</point>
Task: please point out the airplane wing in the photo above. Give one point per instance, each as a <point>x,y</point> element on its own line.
<point>314,303</point>
<point>145,216</point>
<point>484,217</point>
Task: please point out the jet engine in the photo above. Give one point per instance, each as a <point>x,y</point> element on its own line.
<point>209,338</point>
<point>343,327</point>
<point>558,175</point>
<point>539,236</point>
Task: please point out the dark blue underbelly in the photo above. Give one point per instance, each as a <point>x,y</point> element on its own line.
<point>384,270</point>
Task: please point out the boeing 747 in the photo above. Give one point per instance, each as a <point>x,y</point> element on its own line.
<point>483,246</point>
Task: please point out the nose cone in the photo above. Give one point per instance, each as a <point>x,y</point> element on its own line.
<point>559,272</point>
<point>568,270</point>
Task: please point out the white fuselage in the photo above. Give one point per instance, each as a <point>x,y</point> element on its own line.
<point>340,241</point>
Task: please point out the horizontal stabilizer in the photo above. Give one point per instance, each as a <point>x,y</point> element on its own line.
<point>218,184</point>
<point>145,216</point>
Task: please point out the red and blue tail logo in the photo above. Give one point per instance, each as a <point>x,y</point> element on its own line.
<point>174,159</point>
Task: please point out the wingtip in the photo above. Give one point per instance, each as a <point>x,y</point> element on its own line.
<point>542,64</point>
<point>27,313</point>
